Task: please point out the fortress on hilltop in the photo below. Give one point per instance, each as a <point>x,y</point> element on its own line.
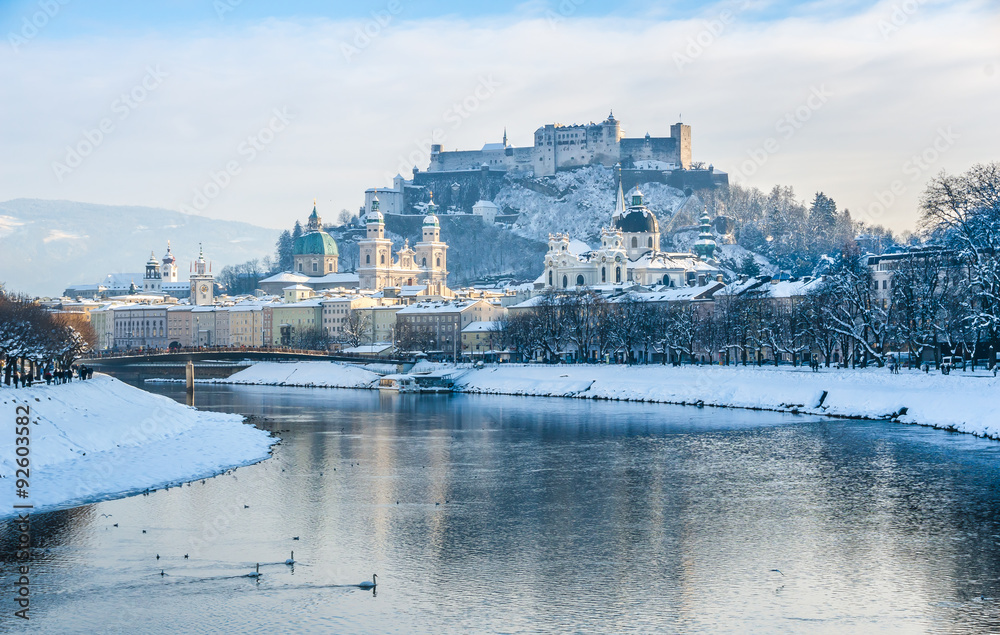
<point>558,147</point>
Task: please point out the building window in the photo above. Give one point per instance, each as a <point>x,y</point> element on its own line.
<point>300,266</point>
<point>604,275</point>
<point>618,274</point>
<point>579,281</point>
<point>650,242</point>
<point>565,282</point>
<point>635,242</point>
<point>315,267</point>
<point>550,278</point>
<point>382,259</point>
<point>438,262</point>
<point>368,259</point>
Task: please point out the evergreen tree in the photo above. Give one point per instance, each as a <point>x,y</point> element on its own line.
<point>823,218</point>
<point>284,246</point>
<point>296,231</point>
<point>749,266</point>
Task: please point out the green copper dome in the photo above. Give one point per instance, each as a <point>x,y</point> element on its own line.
<point>316,244</point>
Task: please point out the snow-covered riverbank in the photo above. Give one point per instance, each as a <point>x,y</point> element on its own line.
<point>963,402</point>
<point>100,439</point>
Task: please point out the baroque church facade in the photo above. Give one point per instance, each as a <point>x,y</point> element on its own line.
<point>424,264</point>
<point>630,254</point>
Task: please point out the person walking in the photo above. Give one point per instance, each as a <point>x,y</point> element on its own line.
<point>16,376</point>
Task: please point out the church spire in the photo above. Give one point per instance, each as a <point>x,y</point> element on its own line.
<point>620,199</point>
<point>505,136</point>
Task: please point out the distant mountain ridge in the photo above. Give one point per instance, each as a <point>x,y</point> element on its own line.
<point>46,246</point>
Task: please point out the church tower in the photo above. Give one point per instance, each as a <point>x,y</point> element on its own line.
<point>706,245</point>
<point>375,251</point>
<point>151,282</point>
<point>168,269</point>
<point>202,282</point>
<point>431,253</point>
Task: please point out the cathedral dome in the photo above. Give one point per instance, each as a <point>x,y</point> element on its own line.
<point>636,221</point>
<point>316,244</point>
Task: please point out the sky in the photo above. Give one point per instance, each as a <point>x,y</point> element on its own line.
<point>248,110</point>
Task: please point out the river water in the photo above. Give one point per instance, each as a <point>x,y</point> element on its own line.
<point>528,515</point>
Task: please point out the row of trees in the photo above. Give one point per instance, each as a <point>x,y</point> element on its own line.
<point>31,337</point>
<point>841,317</point>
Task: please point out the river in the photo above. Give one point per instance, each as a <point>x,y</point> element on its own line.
<point>530,515</point>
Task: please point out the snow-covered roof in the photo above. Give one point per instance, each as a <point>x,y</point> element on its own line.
<point>481,327</point>
<point>438,307</point>
<point>285,276</point>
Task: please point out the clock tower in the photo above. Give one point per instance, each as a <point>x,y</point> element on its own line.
<point>202,282</point>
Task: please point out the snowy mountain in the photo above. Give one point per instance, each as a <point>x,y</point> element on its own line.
<point>46,246</point>
<point>580,202</point>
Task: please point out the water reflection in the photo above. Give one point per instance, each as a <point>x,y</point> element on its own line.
<point>529,515</point>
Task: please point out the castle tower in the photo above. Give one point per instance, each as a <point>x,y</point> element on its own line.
<point>375,252</point>
<point>682,133</point>
<point>202,282</point>
<point>151,282</point>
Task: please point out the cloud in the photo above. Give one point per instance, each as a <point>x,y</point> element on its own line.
<point>363,99</point>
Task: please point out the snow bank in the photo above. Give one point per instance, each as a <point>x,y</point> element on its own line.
<point>100,439</point>
<point>309,374</point>
<point>960,401</point>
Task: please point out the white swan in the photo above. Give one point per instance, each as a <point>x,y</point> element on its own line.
<point>291,560</point>
<point>255,574</point>
<point>369,585</point>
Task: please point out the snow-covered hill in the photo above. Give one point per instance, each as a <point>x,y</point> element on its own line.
<point>579,202</point>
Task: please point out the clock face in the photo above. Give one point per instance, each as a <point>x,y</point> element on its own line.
<point>204,288</point>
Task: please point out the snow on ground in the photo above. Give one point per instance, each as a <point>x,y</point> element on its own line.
<point>100,439</point>
<point>961,401</point>
<point>311,374</point>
